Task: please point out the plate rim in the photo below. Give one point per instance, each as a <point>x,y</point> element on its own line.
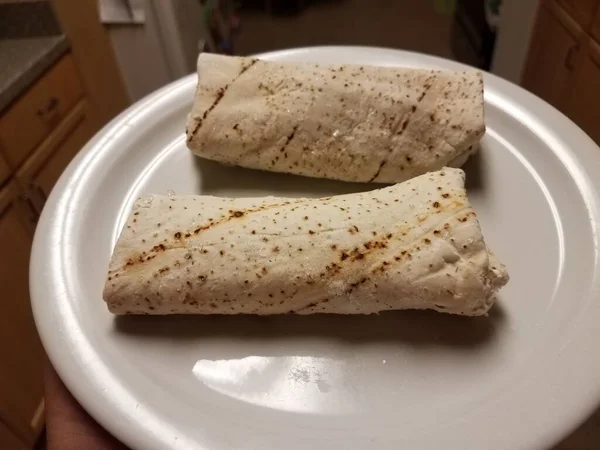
<point>69,366</point>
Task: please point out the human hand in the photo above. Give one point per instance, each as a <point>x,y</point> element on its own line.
<point>68,426</point>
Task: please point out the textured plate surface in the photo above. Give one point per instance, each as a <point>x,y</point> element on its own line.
<point>521,378</point>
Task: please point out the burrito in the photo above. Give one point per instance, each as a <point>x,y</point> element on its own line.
<point>415,245</point>
<point>344,122</point>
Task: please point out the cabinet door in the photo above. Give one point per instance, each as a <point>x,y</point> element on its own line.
<point>21,383</point>
<point>8,441</point>
<point>583,102</point>
<point>581,10</point>
<point>552,54</point>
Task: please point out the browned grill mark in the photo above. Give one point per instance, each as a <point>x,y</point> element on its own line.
<point>218,98</point>
<point>159,247</point>
<point>423,94</point>
<point>355,285</point>
<point>193,132</point>
<point>381,164</point>
<point>252,62</point>
<point>404,126</point>
<point>289,138</point>
<point>310,305</point>
<point>413,109</point>
<point>358,253</point>
<point>237,214</point>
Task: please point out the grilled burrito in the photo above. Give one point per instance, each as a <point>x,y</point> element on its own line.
<point>412,245</point>
<point>344,122</point>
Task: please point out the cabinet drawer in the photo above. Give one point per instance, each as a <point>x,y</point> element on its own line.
<point>43,169</point>
<point>39,110</point>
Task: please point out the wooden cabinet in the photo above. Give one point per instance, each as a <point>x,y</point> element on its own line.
<point>581,10</point>
<point>8,441</point>
<point>595,30</point>
<point>552,55</point>
<point>39,111</point>
<point>582,104</point>
<point>21,202</point>
<point>563,66</point>
<point>40,133</point>
<point>36,148</point>
<point>21,387</point>
<point>36,145</point>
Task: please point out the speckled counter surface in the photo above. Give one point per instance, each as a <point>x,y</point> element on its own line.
<point>23,60</point>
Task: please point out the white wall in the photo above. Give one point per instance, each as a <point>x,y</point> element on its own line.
<point>191,28</point>
<point>514,37</point>
<point>140,54</point>
<point>162,49</point>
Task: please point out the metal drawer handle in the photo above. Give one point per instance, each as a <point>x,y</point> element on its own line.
<point>33,200</point>
<point>36,195</point>
<point>39,191</point>
<point>29,209</point>
<point>570,58</point>
<point>50,107</point>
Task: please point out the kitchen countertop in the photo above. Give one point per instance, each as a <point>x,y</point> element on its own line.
<point>24,60</point>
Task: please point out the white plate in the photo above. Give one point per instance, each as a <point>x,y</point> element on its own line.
<point>522,378</point>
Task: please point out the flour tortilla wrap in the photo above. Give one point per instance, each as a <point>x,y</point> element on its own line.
<point>344,122</point>
<point>412,245</point>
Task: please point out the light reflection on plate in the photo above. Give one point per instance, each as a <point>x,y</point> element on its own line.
<point>293,383</point>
